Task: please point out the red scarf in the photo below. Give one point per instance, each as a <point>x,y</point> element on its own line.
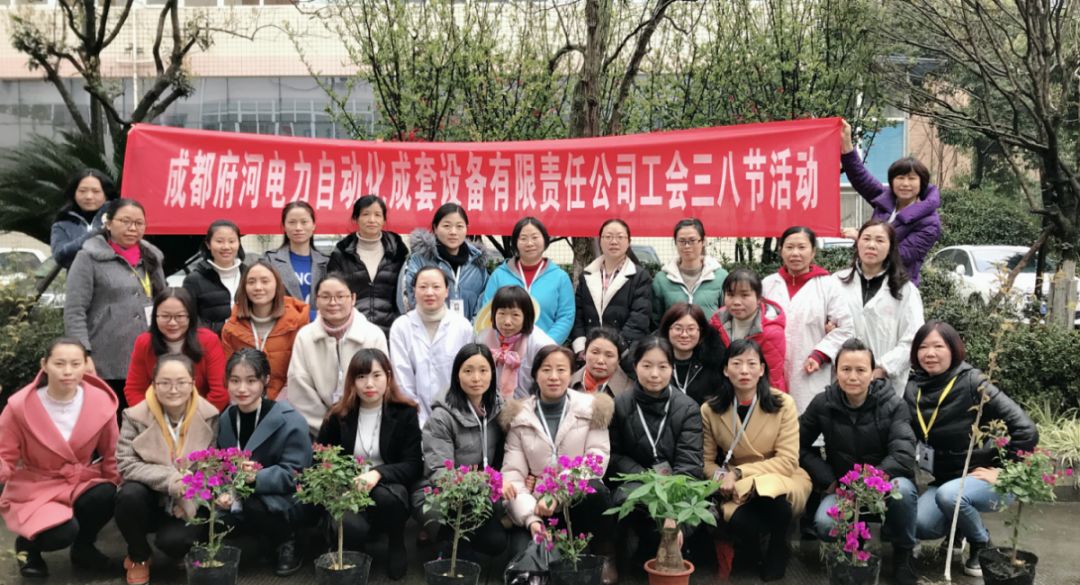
<point>132,255</point>
<point>590,383</point>
<point>794,283</point>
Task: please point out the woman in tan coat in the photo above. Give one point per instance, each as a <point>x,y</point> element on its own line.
<point>751,434</point>
<point>554,422</point>
<point>157,434</point>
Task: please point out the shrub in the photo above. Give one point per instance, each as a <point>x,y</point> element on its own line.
<point>986,216</point>
<point>25,331</point>
<point>1037,362</point>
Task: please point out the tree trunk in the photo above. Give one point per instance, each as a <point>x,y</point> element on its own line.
<point>584,252</point>
<point>668,557</point>
<point>1062,305</point>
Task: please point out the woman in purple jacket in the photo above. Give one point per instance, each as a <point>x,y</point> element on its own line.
<point>909,202</point>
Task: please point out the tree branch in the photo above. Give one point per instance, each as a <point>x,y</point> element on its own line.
<point>564,50</point>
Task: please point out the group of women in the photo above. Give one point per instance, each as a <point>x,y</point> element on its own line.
<point>410,360</point>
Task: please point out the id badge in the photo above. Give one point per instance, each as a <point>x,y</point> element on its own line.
<point>457,306</point>
<point>339,391</point>
<point>148,310</point>
<point>663,468</point>
<point>925,455</point>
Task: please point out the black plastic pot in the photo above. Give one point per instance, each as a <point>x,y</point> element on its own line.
<point>438,573</point>
<point>588,571</point>
<point>357,568</point>
<point>998,568</point>
<point>843,573</point>
<point>221,570</point>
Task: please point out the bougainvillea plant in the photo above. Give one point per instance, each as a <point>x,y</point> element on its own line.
<point>566,485</point>
<point>462,497</point>
<point>213,473</point>
<point>331,483</point>
<point>863,491</point>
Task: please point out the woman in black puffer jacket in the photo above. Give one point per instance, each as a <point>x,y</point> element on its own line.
<point>942,394</point>
<point>371,260</point>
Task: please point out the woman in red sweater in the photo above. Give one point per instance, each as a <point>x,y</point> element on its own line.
<point>173,330</point>
<point>746,313</point>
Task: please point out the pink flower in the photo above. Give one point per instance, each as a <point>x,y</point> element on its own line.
<point>1001,442</point>
<point>862,556</point>
<point>833,512</point>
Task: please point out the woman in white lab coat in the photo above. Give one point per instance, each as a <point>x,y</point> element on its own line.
<point>886,308</point>
<point>810,298</point>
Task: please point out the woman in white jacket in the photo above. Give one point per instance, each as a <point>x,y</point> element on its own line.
<point>424,341</point>
<point>810,298</point>
<point>323,349</point>
<point>886,308</point>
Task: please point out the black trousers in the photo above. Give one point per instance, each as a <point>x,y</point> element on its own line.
<point>586,516</point>
<point>139,513</point>
<point>388,515</point>
<point>756,519</point>
<point>118,389</point>
<point>269,527</point>
<point>91,512</point>
<point>489,539</point>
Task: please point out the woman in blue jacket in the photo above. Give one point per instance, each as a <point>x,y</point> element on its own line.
<point>81,216</point>
<point>445,246</point>
<point>544,280</point>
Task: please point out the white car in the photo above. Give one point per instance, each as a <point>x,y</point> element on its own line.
<point>19,263</point>
<point>979,271</point>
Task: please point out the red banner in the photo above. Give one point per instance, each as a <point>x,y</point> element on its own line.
<point>749,180</point>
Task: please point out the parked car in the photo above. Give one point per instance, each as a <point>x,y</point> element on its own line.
<point>824,243</point>
<point>979,271</point>
<point>19,263</point>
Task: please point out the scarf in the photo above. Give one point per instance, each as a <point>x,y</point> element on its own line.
<point>590,383</point>
<point>131,255</point>
<point>175,450</point>
<point>339,331</point>
<point>794,283</point>
<point>454,260</point>
<point>508,358</point>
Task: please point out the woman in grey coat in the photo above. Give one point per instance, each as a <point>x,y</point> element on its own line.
<point>110,291</point>
<point>296,260</point>
<point>463,428</point>
<point>82,214</point>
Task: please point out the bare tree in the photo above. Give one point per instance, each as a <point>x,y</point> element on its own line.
<point>1010,72</point>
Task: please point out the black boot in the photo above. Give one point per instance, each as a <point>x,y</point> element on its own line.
<point>972,567</point>
<point>396,563</point>
<point>29,558</point>
<point>288,559</point>
<point>774,566</point>
<point>904,566</point>
<point>88,557</point>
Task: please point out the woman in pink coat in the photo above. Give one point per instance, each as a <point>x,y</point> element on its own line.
<point>58,461</point>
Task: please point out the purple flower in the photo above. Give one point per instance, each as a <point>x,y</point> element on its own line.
<point>862,556</point>
<point>833,512</point>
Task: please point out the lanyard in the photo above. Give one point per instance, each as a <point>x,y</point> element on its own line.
<point>457,279</point>
<point>366,450</point>
<point>483,432</point>
<point>933,418</point>
<point>740,426</point>
<point>659,429</point>
<point>258,412</point>
<point>689,378</point>
<point>144,280</point>
<point>260,343</point>
<point>174,431</point>
<point>539,269</point>
<point>547,430</point>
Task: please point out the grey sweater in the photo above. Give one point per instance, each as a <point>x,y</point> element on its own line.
<point>105,306</point>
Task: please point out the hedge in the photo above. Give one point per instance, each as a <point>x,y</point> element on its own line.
<point>25,332</point>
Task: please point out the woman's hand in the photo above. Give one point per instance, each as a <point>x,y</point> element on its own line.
<point>224,502</point>
<point>509,492</point>
<point>536,528</point>
<point>846,144</point>
<point>366,481</point>
<point>849,233</point>
<point>811,366</point>
<point>530,483</point>
<point>987,474</point>
<point>727,486</point>
<point>879,372</point>
<point>829,326</point>
<point>184,509</point>
<point>248,468</point>
<point>669,523</point>
<point>545,506</point>
<point>90,368</point>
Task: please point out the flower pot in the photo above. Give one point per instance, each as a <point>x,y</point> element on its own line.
<point>661,578</point>
<point>844,573</point>
<point>589,571</point>
<point>356,570</point>
<point>998,569</point>
<point>437,573</point>
<point>221,570</point>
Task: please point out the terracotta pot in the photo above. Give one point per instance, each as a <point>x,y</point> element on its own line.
<point>660,578</point>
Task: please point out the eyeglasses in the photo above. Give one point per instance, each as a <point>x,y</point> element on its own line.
<point>689,329</point>
<point>329,299</point>
<point>688,243</point>
<point>180,318</point>
<point>614,238</point>
<point>167,385</point>
<point>131,223</point>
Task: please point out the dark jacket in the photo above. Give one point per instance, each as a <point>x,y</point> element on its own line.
<point>280,443</point>
<point>399,442</point>
<point>376,297</point>
<point>918,226</point>
<point>212,299</point>
<point>69,231</point>
<point>280,260</point>
<point>878,432</point>
<point>679,443</point>
<point>951,432</point>
<point>467,284</point>
<point>627,306</point>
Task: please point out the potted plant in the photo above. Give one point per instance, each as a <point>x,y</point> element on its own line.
<point>861,492</point>
<point>565,486</point>
<point>1027,478</point>
<point>216,478</point>
<point>331,484</point>
<point>463,499</point>
<point>673,501</point>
